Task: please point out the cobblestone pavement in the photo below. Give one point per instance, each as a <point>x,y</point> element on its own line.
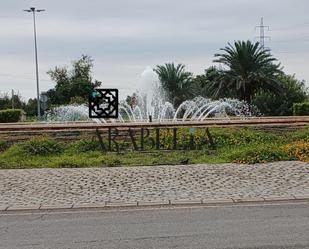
<point>156,183</point>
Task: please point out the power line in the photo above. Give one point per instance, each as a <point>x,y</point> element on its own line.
<point>294,26</point>
<point>302,39</point>
<point>24,77</point>
<point>290,52</point>
<point>262,33</point>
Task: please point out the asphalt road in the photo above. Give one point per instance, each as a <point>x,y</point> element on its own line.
<point>281,225</point>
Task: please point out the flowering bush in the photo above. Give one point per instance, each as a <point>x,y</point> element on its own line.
<point>299,149</point>
<point>260,154</point>
<point>241,136</point>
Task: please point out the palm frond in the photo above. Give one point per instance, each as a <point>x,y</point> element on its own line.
<point>249,69</point>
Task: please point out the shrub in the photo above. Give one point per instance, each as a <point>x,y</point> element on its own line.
<point>299,149</point>
<point>299,135</point>
<point>9,115</point>
<point>294,91</point>
<point>260,154</point>
<point>113,162</point>
<point>84,145</point>
<point>3,145</point>
<point>78,100</point>
<point>41,146</point>
<point>68,162</point>
<point>241,136</point>
<point>301,109</point>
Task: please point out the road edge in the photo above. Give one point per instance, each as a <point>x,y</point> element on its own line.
<point>169,203</point>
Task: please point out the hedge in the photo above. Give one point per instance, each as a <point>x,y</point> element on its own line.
<point>9,115</point>
<point>301,109</point>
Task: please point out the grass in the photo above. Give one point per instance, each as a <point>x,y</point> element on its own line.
<point>244,145</point>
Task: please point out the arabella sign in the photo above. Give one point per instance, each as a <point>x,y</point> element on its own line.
<point>144,139</point>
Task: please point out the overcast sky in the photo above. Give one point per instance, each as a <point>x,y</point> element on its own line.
<point>125,36</point>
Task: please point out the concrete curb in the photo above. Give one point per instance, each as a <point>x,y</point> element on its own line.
<point>169,203</point>
<point>23,208</point>
<point>256,199</point>
<point>60,206</point>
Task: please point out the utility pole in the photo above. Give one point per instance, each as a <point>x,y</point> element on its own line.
<point>33,10</point>
<point>262,33</point>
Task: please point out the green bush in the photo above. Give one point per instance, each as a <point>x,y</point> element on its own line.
<point>298,135</point>
<point>3,145</point>
<point>241,136</point>
<point>294,91</point>
<point>301,109</point>
<point>9,115</point>
<point>113,162</point>
<point>40,146</point>
<point>78,100</point>
<point>84,146</point>
<point>260,154</point>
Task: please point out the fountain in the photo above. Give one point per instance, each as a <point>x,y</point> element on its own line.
<point>150,104</point>
<point>71,112</point>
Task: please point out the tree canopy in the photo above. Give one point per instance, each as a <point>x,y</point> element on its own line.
<point>16,101</point>
<point>246,68</point>
<point>294,91</point>
<point>205,81</point>
<point>72,83</point>
<point>176,82</point>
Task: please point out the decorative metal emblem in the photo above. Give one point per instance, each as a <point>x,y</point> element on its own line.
<point>103,103</point>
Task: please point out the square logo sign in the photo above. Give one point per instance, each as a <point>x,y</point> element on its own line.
<point>103,103</point>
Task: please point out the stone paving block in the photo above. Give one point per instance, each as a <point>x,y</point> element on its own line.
<point>211,183</point>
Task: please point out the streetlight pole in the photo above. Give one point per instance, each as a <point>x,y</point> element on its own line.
<point>33,10</point>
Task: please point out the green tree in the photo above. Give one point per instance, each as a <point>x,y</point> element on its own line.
<point>76,82</point>
<point>176,82</point>
<point>129,100</point>
<point>5,102</point>
<point>249,68</point>
<point>31,107</point>
<point>8,102</point>
<point>78,100</point>
<point>294,91</point>
<point>204,83</point>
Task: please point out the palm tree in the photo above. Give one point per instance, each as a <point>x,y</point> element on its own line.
<point>249,68</point>
<point>175,81</point>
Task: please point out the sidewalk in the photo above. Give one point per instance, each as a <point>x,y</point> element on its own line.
<point>124,186</point>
